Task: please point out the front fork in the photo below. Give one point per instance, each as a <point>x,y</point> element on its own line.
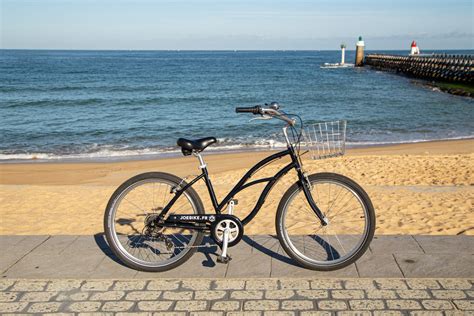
<point>304,181</point>
<point>306,185</point>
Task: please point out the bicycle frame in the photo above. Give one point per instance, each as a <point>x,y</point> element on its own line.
<point>243,184</point>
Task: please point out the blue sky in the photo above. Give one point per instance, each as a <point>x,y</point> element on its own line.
<point>225,24</point>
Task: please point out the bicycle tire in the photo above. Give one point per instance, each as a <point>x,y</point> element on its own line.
<point>109,227</point>
<point>368,231</point>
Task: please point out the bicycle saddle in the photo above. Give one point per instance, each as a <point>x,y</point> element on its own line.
<point>188,145</point>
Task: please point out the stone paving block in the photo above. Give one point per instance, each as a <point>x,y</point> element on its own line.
<point>292,284</point>
<point>465,305</point>
<point>77,296</point>
<point>79,307</point>
<point>279,294</point>
<point>146,295</point>
<point>421,284</point>
<point>229,284</point>
<point>448,294</point>
<point>5,284</point>
<point>413,294</point>
<point>163,285</point>
<point>209,295</point>
<point>261,284</point>
<point>130,285</point>
<point>63,285</point>
<point>381,294</point>
<point>9,296</point>
<point>388,244</point>
<point>117,306</point>
<point>456,284</point>
<point>446,244</point>
<point>354,313</point>
<point>359,284</point>
<point>37,296</point>
<point>196,284</point>
<point>107,296</point>
<point>347,294</point>
<point>102,285</point>
<point>366,304</point>
<point>207,313</point>
<point>261,305</point>
<point>315,313</point>
<point>29,286</point>
<point>246,295</point>
<point>191,306</point>
<point>388,313</point>
<point>226,306</point>
<point>297,305</point>
<point>332,305</point>
<point>326,284</point>
<point>247,313</point>
<point>387,284</point>
<point>12,307</point>
<point>44,307</point>
<point>177,295</point>
<point>313,294</point>
<point>436,304</point>
<point>154,305</point>
<point>403,304</point>
<point>378,265</point>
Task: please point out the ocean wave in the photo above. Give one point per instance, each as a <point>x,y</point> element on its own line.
<point>144,153</point>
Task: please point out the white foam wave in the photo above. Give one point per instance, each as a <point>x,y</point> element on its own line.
<point>118,154</point>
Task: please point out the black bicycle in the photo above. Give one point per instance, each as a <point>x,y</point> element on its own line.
<point>325,221</point>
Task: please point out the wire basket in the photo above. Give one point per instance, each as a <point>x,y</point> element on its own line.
<point>325,140</point>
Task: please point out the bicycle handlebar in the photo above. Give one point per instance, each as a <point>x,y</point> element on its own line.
<point>251,109</point>
<point>258,110</point>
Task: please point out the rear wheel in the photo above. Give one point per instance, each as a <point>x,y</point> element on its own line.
<point>349,232</point>
<point>129,213</point>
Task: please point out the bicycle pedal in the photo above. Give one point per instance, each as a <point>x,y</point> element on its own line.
<point>222,259</point>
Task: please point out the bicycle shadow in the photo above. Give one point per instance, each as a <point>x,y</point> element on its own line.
<point>267,244</point>
<point>270,245</point>
<point>101,242</point>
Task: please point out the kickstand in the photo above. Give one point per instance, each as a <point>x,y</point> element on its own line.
<point>224,257</point>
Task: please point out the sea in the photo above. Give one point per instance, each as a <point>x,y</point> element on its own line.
<point>59,105</point>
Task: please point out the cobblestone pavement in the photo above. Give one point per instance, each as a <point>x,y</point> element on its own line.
<point>284,296</point>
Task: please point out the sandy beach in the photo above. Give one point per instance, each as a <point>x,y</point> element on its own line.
<point>422,188</point>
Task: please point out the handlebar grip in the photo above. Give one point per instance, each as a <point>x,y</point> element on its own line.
<point>251,109</point>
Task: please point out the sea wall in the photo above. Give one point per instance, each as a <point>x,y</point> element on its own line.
<point>440,68</point>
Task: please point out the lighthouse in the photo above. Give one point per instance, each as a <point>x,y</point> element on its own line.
<point>414,49</point>
<point>343,53</point>
<point>359,52</point>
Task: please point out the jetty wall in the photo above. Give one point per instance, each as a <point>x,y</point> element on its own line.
<point>442,68</point>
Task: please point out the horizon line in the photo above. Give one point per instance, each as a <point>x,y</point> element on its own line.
<point>224,50</point>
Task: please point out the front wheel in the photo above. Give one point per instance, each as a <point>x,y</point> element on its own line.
<point>349,231</point>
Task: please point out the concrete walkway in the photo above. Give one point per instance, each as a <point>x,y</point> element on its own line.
<point>88,257</point>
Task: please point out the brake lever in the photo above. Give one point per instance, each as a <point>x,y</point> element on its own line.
<point>263,117</point>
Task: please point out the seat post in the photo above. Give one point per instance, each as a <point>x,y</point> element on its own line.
<point>202,164</point>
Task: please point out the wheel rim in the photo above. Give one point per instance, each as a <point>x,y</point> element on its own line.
<point>335,243</point>
<point>128,223</point>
